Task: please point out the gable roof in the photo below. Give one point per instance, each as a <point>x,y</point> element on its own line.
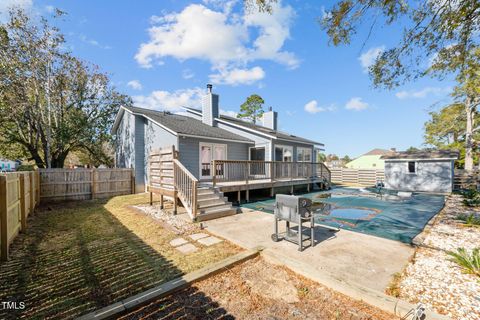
<point>378,152</point>
<point>183,125</point>
<point>423,155</point>
<point>275,134</point>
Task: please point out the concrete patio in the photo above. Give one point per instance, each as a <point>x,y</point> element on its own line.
<point>347,257</point>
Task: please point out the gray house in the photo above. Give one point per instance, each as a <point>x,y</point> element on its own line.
<point>425,171</point>
<point>203,135</point>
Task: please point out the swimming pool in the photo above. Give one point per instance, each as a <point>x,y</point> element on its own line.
<point>363,210</point>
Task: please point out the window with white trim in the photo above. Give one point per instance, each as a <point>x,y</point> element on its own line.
<point>304,155</point>
<point>412,167</point>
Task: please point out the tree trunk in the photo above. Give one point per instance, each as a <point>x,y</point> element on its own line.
<point>469,135</point>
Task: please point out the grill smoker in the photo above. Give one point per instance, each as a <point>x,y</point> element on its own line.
<point>293,209</point>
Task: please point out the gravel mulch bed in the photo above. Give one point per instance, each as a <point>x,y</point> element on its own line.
<point>258,290</point>
<point>176,223</point>
<point>432,279</point>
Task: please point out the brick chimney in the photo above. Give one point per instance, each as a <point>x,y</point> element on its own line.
<point>210,107</point>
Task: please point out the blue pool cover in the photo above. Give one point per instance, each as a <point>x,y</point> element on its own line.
<point>363,210</point>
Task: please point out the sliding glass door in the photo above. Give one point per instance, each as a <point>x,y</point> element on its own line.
<point>208,153</point>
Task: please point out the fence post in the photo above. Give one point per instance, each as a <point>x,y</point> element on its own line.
<point>133,181</point>
<point>93,184</point>
<point>31,176</point>
<point>37,185</point>
<point>3,219</point>
<point>23,207</point>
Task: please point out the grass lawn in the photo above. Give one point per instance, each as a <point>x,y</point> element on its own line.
<point>76,257</point>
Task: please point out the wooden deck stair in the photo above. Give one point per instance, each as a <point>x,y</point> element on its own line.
<point>212,204</point>
<point>168,177</point>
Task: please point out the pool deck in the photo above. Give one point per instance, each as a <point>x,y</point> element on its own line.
<point>344,256</point>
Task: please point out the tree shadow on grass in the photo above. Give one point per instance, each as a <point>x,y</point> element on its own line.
<point>78,257</point>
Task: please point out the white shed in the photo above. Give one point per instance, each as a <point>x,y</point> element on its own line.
<point>425,171</point>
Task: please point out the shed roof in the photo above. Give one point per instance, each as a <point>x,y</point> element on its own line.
<point>423,155</point>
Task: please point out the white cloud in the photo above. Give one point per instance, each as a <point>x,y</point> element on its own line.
<point>135,85</point>
<point>6,5</point>
<point>313,107</point>
<point>238,76</point>
<point>227,40</point>
<point>93,42</point>
<point>356,104</point>
<point>170,101</point>
<point>188,74</point>
<point>229,113</point>
<point>368,58</point>
<point>49,8</point>
<point>419,94</point>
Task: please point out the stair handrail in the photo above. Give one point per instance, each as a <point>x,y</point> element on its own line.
<point>186,187</point>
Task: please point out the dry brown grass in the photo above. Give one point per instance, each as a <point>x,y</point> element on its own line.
<point>230,295</point>
<point>79,256</point>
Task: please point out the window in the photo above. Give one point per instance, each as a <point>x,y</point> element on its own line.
<point>257,153</point>
<point>411,167</point>
<point>304,155</point>
<point>284,153</point>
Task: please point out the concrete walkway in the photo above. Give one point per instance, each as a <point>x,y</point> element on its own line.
<point>344,256</point>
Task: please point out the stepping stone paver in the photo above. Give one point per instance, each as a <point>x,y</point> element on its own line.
<point>209,241</point>
<point>197,236</point>
<point>178,242</point>
<point>187,248</point>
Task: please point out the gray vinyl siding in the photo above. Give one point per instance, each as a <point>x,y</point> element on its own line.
<point>125,142</point>
<point>430,176</point>
<point>260,141</point>
<point>156,138</point>
<point>140,123</point>
<point>189,152</point>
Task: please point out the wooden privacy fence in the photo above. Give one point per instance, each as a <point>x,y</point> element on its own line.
<point>19,195</point>
<point>83,184</point>
<point>357,177</point>
<point>466,179</point>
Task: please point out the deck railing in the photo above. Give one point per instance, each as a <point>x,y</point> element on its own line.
<point>186,185</point>
<point>254,170</point>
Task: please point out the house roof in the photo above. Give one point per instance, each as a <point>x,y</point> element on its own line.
<point>378,152</point>
<point>423,155</point>
<point>261,129</point>
<point>186,126</point>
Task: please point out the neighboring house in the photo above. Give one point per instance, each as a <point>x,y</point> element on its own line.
<point>370,160</point>
<point>427,171</point>
<point>334,164</point>
<point>8,165</point>
<point>202,136</point>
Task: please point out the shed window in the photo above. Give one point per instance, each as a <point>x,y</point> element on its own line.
<point>411,167</point>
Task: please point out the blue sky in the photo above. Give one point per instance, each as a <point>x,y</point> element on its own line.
<point>163,53</point>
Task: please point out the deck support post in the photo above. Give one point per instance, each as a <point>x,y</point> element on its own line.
<point>291,189</point>
<point>161,201</point>
<point>272,191</point>
<point>308,187</point>
<point>175,202</point>
<point>239,196</point>
<point>151,198</point>
<point>247,195</point>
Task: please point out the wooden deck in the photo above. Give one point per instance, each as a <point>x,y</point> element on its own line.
<point>242,185</point>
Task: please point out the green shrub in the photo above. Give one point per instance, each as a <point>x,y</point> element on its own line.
<point>469,220</point>
<point>470,194</point>
<point>470,263</point>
